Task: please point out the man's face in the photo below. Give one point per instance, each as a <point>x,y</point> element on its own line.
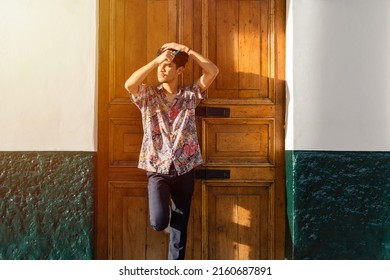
<point>167,72</point>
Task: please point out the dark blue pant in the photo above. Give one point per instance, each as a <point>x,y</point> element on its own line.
<point>178,189</point>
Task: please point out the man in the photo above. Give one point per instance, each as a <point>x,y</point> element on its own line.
<point>170,148</point>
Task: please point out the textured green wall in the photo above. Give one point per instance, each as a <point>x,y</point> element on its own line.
<point>46,205</point>
<point>338,204</point>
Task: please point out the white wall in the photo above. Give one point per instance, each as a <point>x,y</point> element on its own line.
<point>338,71</point>
<point>47,75</point>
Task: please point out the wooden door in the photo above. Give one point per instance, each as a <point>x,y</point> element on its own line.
<point>239,217</point>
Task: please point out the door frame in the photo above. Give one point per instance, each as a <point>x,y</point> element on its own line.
<point>101,192</point>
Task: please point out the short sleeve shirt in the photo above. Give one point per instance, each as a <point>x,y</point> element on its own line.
<point>169,129</point>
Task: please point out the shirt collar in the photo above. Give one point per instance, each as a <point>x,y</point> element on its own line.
<point>160,91</point>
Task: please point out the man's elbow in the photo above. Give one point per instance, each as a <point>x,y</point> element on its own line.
<point>130,88</point>
<point>216,71</point>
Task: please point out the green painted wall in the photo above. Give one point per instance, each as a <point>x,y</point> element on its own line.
<point>338,204</point>
<point>46,205</point>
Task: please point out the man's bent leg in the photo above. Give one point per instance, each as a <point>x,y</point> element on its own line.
<point>158,194</point>
<point>181,203</point>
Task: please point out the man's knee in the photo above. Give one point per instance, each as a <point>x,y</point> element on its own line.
<point>159,225</point>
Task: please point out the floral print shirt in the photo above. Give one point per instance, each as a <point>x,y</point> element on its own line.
<point>169,129</point>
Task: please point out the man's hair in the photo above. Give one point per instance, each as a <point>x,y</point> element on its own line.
<point>180,59</point>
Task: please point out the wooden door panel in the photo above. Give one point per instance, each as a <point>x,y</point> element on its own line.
<point>241,39</point>
<point>238,141</point>
<point>137,29</point>
<point>125,142</point>
<point>130,236</point>
<point>239,42</point>
<point>247,111</point>
<point>239,220</point>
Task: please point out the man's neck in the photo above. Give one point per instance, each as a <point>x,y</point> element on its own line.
<point>170,88</point>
